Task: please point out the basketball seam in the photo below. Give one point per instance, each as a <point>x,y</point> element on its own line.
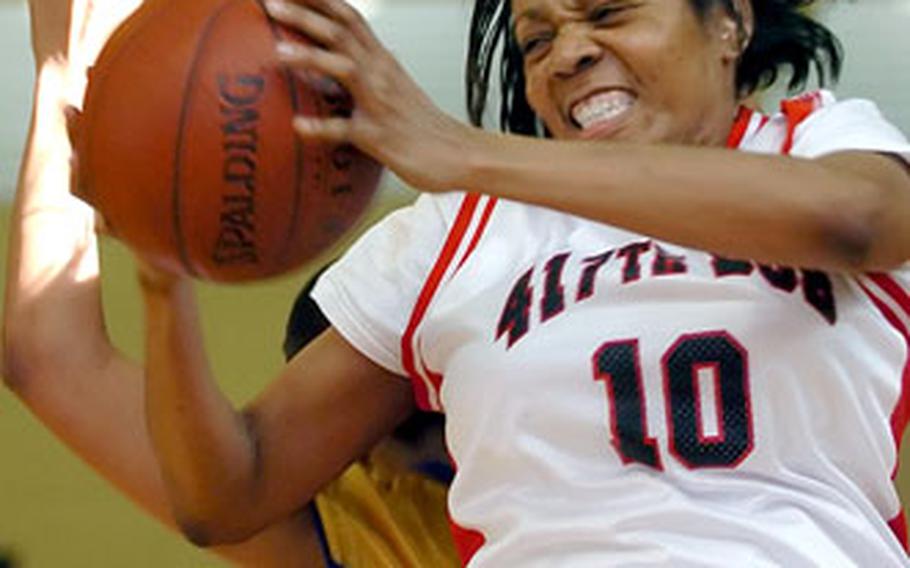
<point>298,148</point>
<point>138,19</point>
<point>176,187</point>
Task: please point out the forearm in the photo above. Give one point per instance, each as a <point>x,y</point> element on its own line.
<point>205,449</point>
<point>767,208</point>
<point>57,357</point>
<point>52,301</point>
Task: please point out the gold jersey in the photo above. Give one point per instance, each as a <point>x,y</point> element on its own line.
<point>376,516</point>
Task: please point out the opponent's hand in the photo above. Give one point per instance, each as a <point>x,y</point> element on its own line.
<point>69,34</point>
<point>157,281</point>
<point>393,120</point>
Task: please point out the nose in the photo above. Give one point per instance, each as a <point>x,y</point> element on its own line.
<point>574,51</point>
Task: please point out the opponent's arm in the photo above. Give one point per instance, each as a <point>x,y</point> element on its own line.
<point>230,473</point>
<point>57,357</point>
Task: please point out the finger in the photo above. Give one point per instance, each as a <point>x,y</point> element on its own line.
<point>323,129</point>
<point>304,59</point>
<point>156,279</point>
<point>347,16</point>
<point>311,23</point>
<point>102,227</point>
<point>331,91</point>
<point>73,118</point>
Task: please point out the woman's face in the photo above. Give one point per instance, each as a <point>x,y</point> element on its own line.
<point>634,70</point>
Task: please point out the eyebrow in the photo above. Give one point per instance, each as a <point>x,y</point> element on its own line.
<point>536,14</point>
<point>527,14</point>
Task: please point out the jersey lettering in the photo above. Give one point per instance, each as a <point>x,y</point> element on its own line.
<point>516,321</point>
<point>515,318</point>
<point>716,356</point>
<point>819,292</point>
<point>632,252</point>
<point>616,364</point>
<point>586,282</point>
<point>781,277</point>
<point>685,365</point>
<point>554,300</point>
<point>666,263</point>
<point>729,267</point>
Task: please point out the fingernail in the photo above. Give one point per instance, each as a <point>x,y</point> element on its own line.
<point>302,123</point>
<point>276,7</point>
<point>287,49</point>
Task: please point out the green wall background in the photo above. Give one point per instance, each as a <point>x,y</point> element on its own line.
<point>55,512</point>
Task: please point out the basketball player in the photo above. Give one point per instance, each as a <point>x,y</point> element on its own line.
<point>674,333</point>
<point>385,510</point>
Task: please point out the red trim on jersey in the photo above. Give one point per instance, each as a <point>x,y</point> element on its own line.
<point>888,284</point>
<point>482,225</point>
<point>899,526</point>
<point>434,377</point>
<point>900,414</point>
<point>740,126</point>
<point>467,541</point>
<point>449,248</point>
<point>797,110</point>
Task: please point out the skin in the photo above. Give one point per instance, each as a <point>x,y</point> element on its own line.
<point>841,212</point>
<point>231,472</point>
<point>648,50</point>
<point>57,357</point>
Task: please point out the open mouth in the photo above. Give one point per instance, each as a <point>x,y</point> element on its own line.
<point>602,112</point>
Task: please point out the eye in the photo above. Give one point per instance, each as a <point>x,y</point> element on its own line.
<point>605,13</point>
<point>534,44</point>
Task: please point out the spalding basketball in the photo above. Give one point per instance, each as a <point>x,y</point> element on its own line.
<point>185,145</point>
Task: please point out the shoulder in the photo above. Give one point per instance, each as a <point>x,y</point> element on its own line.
<point>414,230</point>
<point>369,294</point>
<point>849,124</point>
<point>817,123</point>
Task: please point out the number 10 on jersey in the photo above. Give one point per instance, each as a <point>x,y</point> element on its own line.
<point>616,363</point>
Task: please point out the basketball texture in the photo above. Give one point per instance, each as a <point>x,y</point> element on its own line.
<point>186,148</point>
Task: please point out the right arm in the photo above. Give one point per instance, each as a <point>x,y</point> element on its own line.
<point>230,472</point>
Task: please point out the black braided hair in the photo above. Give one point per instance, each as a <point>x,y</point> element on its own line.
<point>784,36</point>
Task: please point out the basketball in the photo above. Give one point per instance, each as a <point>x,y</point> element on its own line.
<point>185,145</point>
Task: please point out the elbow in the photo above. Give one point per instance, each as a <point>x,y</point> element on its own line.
<point>25,348</point>
<point>14,360</point>
<point>212,520</point>
<point>201,535</point>
<point>851,231</point>
<point>29,353</point>
<point>210,533</point>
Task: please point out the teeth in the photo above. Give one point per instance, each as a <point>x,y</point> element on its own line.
<point>600,107</point>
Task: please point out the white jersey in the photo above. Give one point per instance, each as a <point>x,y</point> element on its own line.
<point>615,400</point>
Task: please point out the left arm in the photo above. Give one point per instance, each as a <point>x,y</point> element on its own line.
<point>845,211</point>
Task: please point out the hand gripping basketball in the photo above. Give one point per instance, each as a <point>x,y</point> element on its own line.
<point>186,146</point>
<point>393,120</point>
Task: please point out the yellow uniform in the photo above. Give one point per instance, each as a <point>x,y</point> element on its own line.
<point>374,516</point>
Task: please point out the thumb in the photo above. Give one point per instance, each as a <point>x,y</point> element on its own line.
<point>73,130</point>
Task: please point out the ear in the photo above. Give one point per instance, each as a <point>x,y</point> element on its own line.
<point>744,14</point>
<point>733,25</point>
